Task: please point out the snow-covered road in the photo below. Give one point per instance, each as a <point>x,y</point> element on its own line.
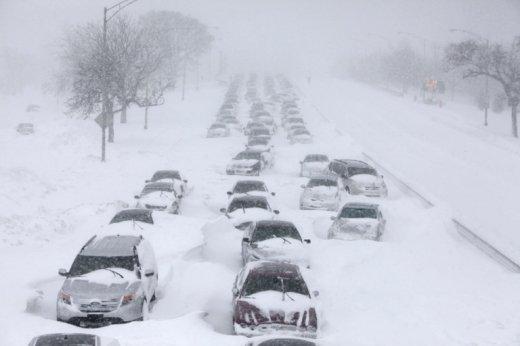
<point>422,285</point>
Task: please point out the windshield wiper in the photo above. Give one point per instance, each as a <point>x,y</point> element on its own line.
<point>283,238</point>
<point>284,292</point>
<point>114,272</point>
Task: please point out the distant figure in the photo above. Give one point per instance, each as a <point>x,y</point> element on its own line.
<point>309,79</point>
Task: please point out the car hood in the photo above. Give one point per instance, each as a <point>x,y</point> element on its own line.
<point>243,163</point>
<point>320,192</point>
<point>102,284</point>
<point>279,307</point>
<point>361,225</point>
<point>250,214</point>
<point>366,179</point>
<point>158,198</point>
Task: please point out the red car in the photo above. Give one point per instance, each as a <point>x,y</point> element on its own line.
<point>272,297</point>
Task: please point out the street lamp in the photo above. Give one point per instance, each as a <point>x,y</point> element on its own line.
<point>486,80</point>
<point>108,14</point>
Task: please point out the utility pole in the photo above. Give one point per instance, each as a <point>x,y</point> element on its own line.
<point>183,81</point>
<point>146,109</point>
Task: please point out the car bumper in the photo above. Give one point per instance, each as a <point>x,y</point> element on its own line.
<point>275,328</point>
<point>241,171</point>
<point>124,313</point>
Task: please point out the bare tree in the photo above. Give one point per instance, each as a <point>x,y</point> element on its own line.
<point>494,61</point>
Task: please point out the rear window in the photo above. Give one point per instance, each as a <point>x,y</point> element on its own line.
<point>249,186</point>
<point>358,213</point>
<point>135,215</point>
<point>361,170</point>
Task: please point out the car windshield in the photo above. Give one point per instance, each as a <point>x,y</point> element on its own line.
<point>66,340</point>
<point>361,170</point>
<point>267,231</point>
<point>358,213</point>
<point>249,155</point>
<point>322,182</point>
<point>301,132</point>
<point>316,158</point>
<point>86,264</point>
<point>245,187</point>
<point>166,175</point>
<point>248,203</point>
<point>162,188</point>
<point>258,141</point>
<point>135,215</point>
<point>286,342</point>
<point>260,283</point>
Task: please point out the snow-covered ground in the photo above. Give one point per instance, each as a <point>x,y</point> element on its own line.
<point>422,285</point>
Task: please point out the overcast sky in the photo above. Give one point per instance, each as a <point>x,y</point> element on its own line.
<point>302,34</point>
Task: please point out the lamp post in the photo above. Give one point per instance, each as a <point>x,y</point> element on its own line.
<point>486,80</point>
<point>108,14</point>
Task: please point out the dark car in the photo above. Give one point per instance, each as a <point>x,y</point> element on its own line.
<point>271,297</point>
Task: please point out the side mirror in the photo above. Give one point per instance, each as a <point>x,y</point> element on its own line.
<point>276,212</point>
<point>316,293</point>
<point>235,291</point>
<point>223,210</point>
<point>149,272</point>
<point>245,240</point>
<point>273,193</point>
<point>333,218</point>
<point>137,197</point>
<point>229,193</point>
<point>308,241</point>
<point>63,272</point>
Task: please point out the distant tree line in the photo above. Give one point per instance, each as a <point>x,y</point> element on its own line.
<point>142,60</point>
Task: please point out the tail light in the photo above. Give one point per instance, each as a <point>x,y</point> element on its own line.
<point>127,298</point>
<point>64,297</point>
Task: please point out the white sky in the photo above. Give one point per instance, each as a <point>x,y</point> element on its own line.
<point>301,34</point>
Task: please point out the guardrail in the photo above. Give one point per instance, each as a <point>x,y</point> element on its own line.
<point>465,232</point>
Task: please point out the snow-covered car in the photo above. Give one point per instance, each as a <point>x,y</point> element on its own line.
<point>250,187</point>
<point>112,280</point>
<point>246,163</point>
<point>266,153</point>
<point>231,122</point>
<point>359,178</point>
<point>243,210</point>
<point>25,128</point>
<point>72,339</point>
<point>274,240</point>
<point>292,120</point>
<point>252,125</point>
<point>358,221</point>
<point>314,164</point>
<point>180,183</point>
<point>300,136</point>
<point>159,196</point>
<point>218,130</point>
<point>273,298</point>
<point>321,193</point>
<point>280,341</point>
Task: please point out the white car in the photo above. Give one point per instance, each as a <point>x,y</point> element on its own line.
<point>274,240</point>
<point>218,130</point>
<point>314,164</point>
<point>358,221</point>
<point>321,193</point>
<point>159,196</point>
<point>247,163</point>
<point>180,183</point>
<point>243,210</point>
<point>359,178</point>
<point>251,188</point>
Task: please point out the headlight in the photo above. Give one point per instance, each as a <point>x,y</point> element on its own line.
<point>128,298</point>
<point>64,298</point>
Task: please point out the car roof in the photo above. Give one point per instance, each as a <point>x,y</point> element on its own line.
<point>111,246</point>
<point>273,268</point>
<point>361,205</point>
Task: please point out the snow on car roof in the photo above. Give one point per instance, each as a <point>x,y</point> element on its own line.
<point>112,246</point>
